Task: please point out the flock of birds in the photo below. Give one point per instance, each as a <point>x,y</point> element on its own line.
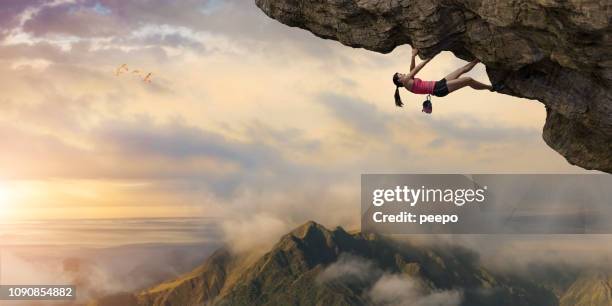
<point>124,69</point>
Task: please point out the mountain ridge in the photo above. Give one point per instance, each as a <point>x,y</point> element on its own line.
<point>297,269</point>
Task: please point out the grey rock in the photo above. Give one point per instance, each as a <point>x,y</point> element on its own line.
<point>556,51</point>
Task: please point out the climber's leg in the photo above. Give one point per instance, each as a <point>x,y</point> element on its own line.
<point>457,73</point>
<point>466,81</point>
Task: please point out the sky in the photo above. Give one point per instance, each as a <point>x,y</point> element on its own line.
<point>245,118</point>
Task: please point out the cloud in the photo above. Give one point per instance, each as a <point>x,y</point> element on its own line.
<point>256,215</point>
<point>89,279</point>
<point>104,33</point>
<point>361,116</point>
<point>11,9</point>
<point>74,19</point>
<point>383,288</point>
<point>143,142</point>
<point>398,290</point>
<point>175,140</point>
<point>173,40</point>
<point>348,269</point>
<point>240,236</point>
<point>472,131</point>
<point>98,272</point>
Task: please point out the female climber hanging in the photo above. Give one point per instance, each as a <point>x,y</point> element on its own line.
<point>440,88</point>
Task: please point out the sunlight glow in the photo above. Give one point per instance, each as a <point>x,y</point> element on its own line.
<point>5,199</point>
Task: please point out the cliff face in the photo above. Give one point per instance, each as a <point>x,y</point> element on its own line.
<point>556,51</point>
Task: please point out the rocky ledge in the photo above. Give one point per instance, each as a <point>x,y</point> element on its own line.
<point>556,51</point>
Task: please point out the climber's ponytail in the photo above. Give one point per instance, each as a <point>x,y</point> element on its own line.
<point>398,83</point>
<point>398,99</point>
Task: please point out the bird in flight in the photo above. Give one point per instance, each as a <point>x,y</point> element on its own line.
<point>122,68</point>
<point>147,79</point>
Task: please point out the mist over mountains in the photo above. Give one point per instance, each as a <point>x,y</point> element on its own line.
<point>313,265</point>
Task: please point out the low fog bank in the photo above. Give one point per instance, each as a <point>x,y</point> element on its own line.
<point>257,221</point>
<point>528,254</point>
<point>99,271</point>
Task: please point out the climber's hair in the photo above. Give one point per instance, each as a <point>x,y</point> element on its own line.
<point>398,83</point>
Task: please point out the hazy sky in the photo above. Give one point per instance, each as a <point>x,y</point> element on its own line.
<point>244,116</point>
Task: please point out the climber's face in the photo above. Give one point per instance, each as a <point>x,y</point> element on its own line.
<point>398,79</point>
<point>403,78</point>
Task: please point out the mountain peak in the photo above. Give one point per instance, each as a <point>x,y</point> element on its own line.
<point>309,228</point>
<point>289,274</point>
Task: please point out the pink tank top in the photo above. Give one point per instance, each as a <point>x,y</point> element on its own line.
<point>422,87</point>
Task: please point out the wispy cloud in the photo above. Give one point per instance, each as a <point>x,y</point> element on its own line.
<point>385,288</point>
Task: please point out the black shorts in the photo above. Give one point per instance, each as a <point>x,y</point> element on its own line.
<point>440,88</point>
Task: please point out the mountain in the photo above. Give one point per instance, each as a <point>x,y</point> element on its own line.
<point>591,289</point>
<point>312,265</point>
<point>557,52</point>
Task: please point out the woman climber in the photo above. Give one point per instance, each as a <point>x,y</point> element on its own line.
<point>441,88</point>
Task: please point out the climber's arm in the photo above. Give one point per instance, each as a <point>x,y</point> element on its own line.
<point>418,68</point>
<point>415,52</point>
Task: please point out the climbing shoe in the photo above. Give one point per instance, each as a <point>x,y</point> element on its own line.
<point>498,87</point>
